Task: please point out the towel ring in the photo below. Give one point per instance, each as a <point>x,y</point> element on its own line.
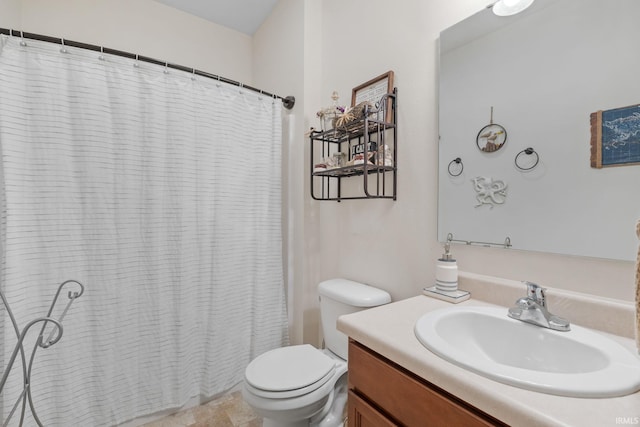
<point>519,160</point>
<point>454,165</point>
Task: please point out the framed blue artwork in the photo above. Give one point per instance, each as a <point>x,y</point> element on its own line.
<point>615,137</point>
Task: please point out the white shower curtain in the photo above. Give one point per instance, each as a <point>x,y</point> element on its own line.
<point>161,192</point>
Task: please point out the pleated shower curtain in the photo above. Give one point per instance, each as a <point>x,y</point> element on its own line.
<point>160,191</point>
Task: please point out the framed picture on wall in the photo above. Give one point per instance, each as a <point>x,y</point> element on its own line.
<point>615,137</point>
<point>373,90</point>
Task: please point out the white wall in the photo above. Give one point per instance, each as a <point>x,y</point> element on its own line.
<point>563,205</point>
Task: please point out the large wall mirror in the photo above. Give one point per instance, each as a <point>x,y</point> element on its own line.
<point>537,77</point>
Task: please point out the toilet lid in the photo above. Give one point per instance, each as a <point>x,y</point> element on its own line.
<point>289,368</point>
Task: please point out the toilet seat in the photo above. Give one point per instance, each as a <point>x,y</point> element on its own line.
<point>289,372</point>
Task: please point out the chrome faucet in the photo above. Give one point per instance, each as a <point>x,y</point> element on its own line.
<point>533,309</point>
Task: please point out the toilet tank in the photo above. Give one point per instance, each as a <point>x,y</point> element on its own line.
<point>342,296</point>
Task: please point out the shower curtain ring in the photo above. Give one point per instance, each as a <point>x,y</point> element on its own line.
<point>166,67</point>
<point>22,42</point>
<point>63,49</point>
<point>101,57</point>
<point>135,64</point>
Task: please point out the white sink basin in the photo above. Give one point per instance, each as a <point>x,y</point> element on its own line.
<point>577,363</point>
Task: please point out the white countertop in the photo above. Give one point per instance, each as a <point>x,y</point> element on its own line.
<point>388,330</point>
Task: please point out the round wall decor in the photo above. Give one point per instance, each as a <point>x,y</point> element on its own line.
<point>491,137</point>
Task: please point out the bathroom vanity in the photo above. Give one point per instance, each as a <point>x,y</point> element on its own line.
<point>395,380</point>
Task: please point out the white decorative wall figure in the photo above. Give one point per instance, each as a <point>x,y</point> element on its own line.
<point>489,191</point>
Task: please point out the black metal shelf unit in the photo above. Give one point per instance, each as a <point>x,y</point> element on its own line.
<point>374,138</point>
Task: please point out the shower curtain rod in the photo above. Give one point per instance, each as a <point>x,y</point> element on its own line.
<point>288,101</point>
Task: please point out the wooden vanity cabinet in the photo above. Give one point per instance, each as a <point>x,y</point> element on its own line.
<point>381,394</point>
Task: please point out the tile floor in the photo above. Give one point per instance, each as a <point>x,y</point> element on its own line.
<point>227,411</point>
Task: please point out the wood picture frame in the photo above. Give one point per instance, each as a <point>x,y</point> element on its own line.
<point>615,137</point>
<point>373,90</point>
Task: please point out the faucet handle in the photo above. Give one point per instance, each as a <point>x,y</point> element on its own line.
<point>536,293</point>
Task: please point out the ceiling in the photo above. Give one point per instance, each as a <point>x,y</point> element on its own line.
<point>245,16</point>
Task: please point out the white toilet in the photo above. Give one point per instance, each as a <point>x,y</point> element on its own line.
<point>301,385</point>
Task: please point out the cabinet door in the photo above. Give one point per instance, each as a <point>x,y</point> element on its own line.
<point>407,398</point>
<point>361,414</point>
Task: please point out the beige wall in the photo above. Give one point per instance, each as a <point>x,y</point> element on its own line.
<point>286,58</point>
<point>278,62</point>
<point>145,27</point>
<point>308,49</point>
<point>10,16</point>
<point>393,245</point>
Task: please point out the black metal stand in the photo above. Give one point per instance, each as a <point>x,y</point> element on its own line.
<point>54,336</point>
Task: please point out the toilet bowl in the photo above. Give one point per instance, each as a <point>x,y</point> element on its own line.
<point>290,385</point>
<point>301,385</point>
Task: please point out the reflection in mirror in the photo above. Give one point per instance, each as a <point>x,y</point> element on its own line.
<point>545,71</point>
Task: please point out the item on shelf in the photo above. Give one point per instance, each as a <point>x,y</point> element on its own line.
<point>358,159</point>
<point>329,114</point>
<point>375,91</point>
<point>320,167</point>
<point>353,114</point>
<point>385,157</point>
<point>379,156</point>
<point>336,160</point>
<point>372,146</point>
<point>339,159</point>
